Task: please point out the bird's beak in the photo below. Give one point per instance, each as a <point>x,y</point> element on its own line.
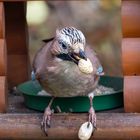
<point>77,56</point>
<point>82,54</point>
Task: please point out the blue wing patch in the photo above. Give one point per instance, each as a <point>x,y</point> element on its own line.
<point>100,71</point>
<point>33,78</point>
<point>35,81</point>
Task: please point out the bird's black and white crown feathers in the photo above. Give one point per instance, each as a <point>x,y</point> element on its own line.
<point>70,35</point>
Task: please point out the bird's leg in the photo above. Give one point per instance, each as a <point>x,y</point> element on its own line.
<point>47,117</point>
<point>92,115</point>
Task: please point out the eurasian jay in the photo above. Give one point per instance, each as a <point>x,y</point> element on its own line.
<point>65,67</point>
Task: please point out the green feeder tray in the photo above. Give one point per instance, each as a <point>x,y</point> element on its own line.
<point>30,90</point>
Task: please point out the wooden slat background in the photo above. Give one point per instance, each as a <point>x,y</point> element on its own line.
<point>131,18</point>
<point>17,69</point>
<point>17,42</point>
<point>131,54</point>
<point>3,62</point>
<point>3,93</point>
<point>132,93</point>
<point>3,59</point>
<point>2,21</point>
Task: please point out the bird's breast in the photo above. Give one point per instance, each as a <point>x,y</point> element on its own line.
<point>65,79</point>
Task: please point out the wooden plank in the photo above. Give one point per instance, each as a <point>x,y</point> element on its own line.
<point>132,93</point>
<point>17,69</point>
<point>3,58</point>
<point>14,0</point>
<point>16,27</point>
<point>17,42</point>
<point>113,126</point>
<point>3,94</point>
<point>2,23</point>
<point>131,56</point>
<point>131,18</point>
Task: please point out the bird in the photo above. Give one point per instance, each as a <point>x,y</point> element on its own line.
<point>60,68</point>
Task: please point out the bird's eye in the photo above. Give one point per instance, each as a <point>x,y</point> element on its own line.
<point>64,46</point>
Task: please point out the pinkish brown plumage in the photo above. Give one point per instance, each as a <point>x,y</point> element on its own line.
<point>55,66</point>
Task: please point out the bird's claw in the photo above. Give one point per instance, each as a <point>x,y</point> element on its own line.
<point>92,118</point>
<point>46,122</point>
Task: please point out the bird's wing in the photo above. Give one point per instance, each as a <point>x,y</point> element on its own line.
<point>39,62</point>
<point>94,59</point>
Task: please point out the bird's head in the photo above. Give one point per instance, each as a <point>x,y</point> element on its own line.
<point>70,44</point>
